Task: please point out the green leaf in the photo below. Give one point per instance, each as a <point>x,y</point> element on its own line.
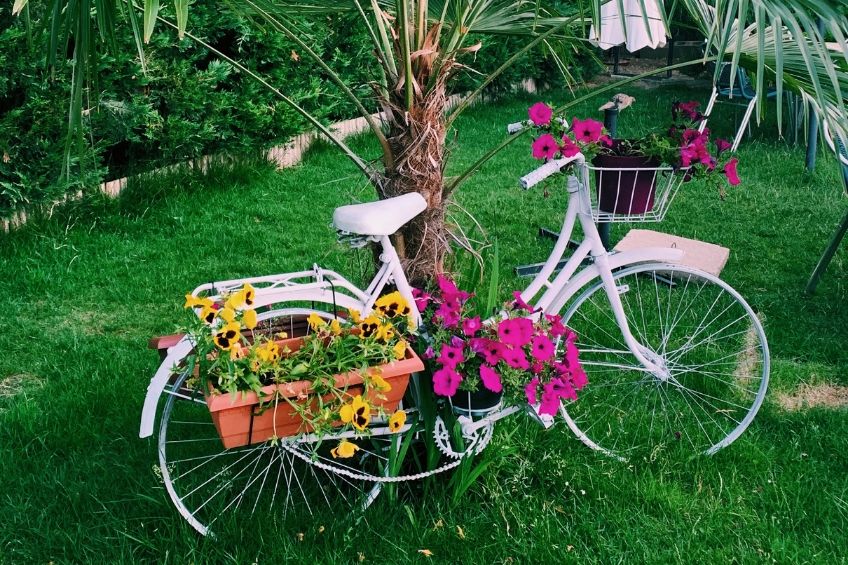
<point>151,10</point>
<point>181,7</point>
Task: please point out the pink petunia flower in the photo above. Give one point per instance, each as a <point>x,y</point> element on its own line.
<point>530,390</point>
<point>587,131</point>
<point>690,110</point>
<point>568,147</point>
<point>722,146</point>
<point>490,378</point>
<point>422,299</point>
<point>446,381</point>
<point>557,328</point>
<point>545,147</point>
<point>516,359</point>
<point>540,114</point>
<point>429,353</point>
<point>450,356</point>
<point>470,326</point>
<point>605,140</point>
<point>450,292</point>
<point>516,332</point>
<point>490,350</point>
<point>519,302</point>
<point>730,171</point>
<point>543,348</point>
<point>550,401</point>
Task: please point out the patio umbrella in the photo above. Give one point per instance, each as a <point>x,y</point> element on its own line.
<point>614,21</point>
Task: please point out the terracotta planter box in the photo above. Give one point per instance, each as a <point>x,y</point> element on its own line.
<point>240,420</point>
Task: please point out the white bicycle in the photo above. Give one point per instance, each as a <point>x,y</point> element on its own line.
<point>676,359</point>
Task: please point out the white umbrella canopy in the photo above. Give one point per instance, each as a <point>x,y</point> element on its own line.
<point>613,25</point>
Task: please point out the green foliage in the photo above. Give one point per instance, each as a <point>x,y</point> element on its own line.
<point>188,103</point>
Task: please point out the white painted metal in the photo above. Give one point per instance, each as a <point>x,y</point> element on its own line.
<point>550,295</point>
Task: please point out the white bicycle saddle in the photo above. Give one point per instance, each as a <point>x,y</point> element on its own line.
<point>383,217</point>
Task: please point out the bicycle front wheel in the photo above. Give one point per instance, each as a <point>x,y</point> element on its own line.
<point>711,350</point>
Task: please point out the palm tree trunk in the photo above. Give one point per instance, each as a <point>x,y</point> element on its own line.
<point>417,140</point>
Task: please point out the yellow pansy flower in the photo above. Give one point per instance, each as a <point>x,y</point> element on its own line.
<point>397,421</point>
<point>344,450</point>
<point>336,327</point>
<point>192,301</point>
<point>236,351</point>
<point>369,326</point>
<point>249,319</point>
<point>235,301</point>
<point>227,337</point>
<point>249,294</point>
<point>269,352</point>
<point>355,315</point>
<point>385,332</point>
<point>393,304</point>
<point>208,314</point>
<point>227,314</point>
<point>380,383</point>
<point>399,350</point>
<point>316,322</point>
<point>356,412</point>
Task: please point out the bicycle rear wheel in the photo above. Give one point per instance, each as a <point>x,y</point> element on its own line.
<point>700,330</point>
<point>288,480</point>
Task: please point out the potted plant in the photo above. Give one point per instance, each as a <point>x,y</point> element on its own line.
<point>262,385</point>
<point>520,357</point>
<point>627,170</point>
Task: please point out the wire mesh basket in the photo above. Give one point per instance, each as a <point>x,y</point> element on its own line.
<point>637,194</point>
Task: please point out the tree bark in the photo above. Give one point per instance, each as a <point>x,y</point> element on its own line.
<point>417,140</point>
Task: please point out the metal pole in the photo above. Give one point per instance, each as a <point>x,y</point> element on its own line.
<point>611,124</point>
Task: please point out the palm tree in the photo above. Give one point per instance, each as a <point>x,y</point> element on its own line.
<point>421,45</point>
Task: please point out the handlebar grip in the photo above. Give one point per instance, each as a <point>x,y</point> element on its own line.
<point>533,178</point>
<point>514,127</point>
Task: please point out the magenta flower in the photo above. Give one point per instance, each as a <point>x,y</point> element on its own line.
<point>540,114</point>
<point>730,171</point>
<point>688,109</point>
<point>587,131</point>
<point>519,302</point>
<point>545,147</point>
<point>470,326</point>
<point>543,348</point>
<point>530,390</point>
<point>568,147</point>
<point>422,299</point>
<point>451,356</point>
<point>446,381</point>
<point>605,140</point>
<point>490,378</point>
<point>579,378</point>
<point>448,312</point>
<point>516,359</point>
<point>516,332</point>
<point>550,401</point>
<point>563,389</point>
<point>722,146</point>
<point>429,353</point>
<point>537,367</point>
<point>450,292</point>
<point>490,350</point>
<point>557,327</point>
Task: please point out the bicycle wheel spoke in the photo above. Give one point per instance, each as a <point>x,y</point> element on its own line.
<point>708,354</point>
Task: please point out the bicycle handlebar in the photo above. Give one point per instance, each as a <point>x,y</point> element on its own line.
<point>533,178</point>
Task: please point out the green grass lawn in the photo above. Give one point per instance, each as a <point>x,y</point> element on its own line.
<point>83,291</point>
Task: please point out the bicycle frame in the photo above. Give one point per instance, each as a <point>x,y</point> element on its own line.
<point>568,281</point>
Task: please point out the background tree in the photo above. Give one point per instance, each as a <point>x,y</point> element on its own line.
<point>420,47</point>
